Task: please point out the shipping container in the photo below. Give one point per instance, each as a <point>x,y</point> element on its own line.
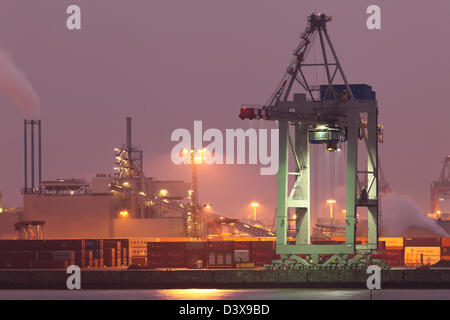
<point>25,245</point>
<point>241,256</point>
<point>58,264</point>
<point>193,258</point>
<point>220,245</point>
<point>65,244</point>
<point>394,256</point>
<point>263,245</point>
<point>176,263</point>
<point>175,254</point>
<point>445,251</point>
<point>422,242</point>
<point>139,261</point>
<point>392,242</point>
<point>176,245</point>
<point>255,254</point>
<point>109,257</point>
<point>156,245</point>
<point>220,259</point>
<point>415,256</point>
<point>445,242</point>
<point>243,245</point>
<point>196,246</point>
<point>68,256</point>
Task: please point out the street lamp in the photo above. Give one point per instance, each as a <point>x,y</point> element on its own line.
<point>163,192</point>
<point>254,205</point>
<point>331,202</point>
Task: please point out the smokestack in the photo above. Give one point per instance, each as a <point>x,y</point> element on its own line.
<point>128,133</point>
<point>32,124</point>
<point>40,152</point>
<point>25,153</point>
<point>32,154</point>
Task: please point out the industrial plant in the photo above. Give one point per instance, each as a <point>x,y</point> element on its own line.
<point>124,219</point>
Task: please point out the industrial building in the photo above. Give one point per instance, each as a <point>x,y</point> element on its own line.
<point>125,203</point>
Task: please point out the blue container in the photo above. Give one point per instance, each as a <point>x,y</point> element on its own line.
<point>360,92</point>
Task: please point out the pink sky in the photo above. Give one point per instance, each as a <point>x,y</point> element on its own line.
<point>168,63</point>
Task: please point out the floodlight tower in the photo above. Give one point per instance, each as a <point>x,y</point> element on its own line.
<point>332,115</point>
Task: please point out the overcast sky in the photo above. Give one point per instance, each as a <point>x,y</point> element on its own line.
<point>168,63</point>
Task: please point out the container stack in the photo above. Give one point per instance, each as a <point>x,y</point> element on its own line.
<point>156,254</point>
<point>422,251</point>
<point>220,254</point>
<point>176,254</point>
<point>263,252</point>
<point>393,254</point>
<point>196,254</point>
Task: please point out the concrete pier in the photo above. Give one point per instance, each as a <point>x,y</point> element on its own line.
<point>232,279</point>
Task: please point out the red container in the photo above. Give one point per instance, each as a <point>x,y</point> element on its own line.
<point>157,263</point>
<point>195,246</point>
<point>220,245</point>
<point>193,257</point>
<point>25,245</point>
<point>109,257</point>
<point>176,245</point>
<point>176,263</point>
<point>421,242</point>
<point>52,264</point>
<point>175,254</point>
<point>445,251</point>
<point>263,245</point>
<point>243,245</point>
<point>139,261</point>
<point>44,255</point>
<point>156,254</point>
<point>156,245</point>
<point>445,242</point>
<point>262,254</point>
<point>8,254</point>
<point>20,263</point>
<point>67,244</point>
<point>26,255</point>
<point>394,256</point>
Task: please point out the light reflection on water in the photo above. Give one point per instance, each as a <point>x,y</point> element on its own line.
<point>226,294</point>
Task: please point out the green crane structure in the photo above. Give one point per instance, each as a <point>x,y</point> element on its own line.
<point>332,115</point>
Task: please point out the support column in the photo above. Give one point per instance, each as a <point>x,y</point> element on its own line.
<point>352,164</point>
<point>303,213</point>
<point>282,183</point>
<point>372,151</point>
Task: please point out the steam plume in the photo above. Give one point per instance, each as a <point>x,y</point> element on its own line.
<point>400,213</point>
<point>14,84</point>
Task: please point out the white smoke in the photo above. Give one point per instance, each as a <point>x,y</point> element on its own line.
<point>400,213</point>
<point>14,84</point>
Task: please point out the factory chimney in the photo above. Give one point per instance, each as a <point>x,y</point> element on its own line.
<point>128,143</point>
<point>32,124</point>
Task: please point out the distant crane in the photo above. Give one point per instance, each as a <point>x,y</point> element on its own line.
<point>440,189</point>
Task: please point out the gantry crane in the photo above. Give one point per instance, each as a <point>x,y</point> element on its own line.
<point>332,115</point>
<point>441,189</point>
